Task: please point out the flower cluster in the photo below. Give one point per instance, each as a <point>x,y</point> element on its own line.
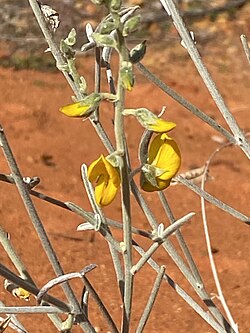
<point>163,162</point>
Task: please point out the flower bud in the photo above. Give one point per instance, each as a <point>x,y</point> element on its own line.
<point>115,5</point>
<point>71,39</point>
<point>107,27</point>
<point>131,25</point>
<point>137,53</point>
<point>127,76</point>
<point>104,40</point>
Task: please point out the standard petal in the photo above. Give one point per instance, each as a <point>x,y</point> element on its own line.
<point>113,173</point>
<point>106,178</point>
<point>96,168</point>
<point>168,158</point>
<point>154,148</point>
<point>164,154</point>
<point>106,194</point>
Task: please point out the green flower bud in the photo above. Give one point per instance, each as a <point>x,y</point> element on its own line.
<point>107,27</point>
<point>115,5</point>
<point>67,50</point>
<point>137,53</point>
<point>71,39</point>
<point>131,25</point>
<point>127,75</point>
<point>104,40</point>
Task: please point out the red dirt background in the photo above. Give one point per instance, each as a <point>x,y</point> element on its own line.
<point>49,145</point>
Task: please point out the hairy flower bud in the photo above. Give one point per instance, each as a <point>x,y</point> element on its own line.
<point>131,25</point>
<point>104,40</point>
<point>127,76</point>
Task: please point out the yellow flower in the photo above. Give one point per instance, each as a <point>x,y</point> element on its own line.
<point>150,121</point>
<point>107,180</point>
<point>21,293</point>
<point>82,108</point>
<point>164,160</point>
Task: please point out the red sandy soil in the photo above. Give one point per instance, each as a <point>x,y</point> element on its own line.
<point>49,145</point>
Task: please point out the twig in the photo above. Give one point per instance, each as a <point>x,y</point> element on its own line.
<point>5,241</point>
<point>189,106</point>
<point>15,323</point>
<point>151,300</point>
<point>113,246</point>
<point>180,238</point>
<point>166,233</point>
<point>206,316</point>
<point>30,309</point>
<point>239,136</point>
<point>209,247</point>
<point>125,186</point>
<point>245,45</point>
<point>213,200</point>
<point>109,238</point>
<point>24,193</point>
<point>7,274</point>
<point>82,275</point>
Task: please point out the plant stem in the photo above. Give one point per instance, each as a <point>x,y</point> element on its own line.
<point>180,239</point>
<point>205,315</point>
<point>125,192</point>
<point>24,193</point>
<point>216,202</point>
<point>151,300</point>
<point>246,48</point>
<point>10,276</point>
<point>166,233</point>
<point>189,106</point>
<point>5,241</point>
<point>239,136</point>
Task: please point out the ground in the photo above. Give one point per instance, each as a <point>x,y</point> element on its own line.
<point>49,145</point>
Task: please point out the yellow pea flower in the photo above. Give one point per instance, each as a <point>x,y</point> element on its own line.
<point>164,160</point>
<point>21,293</point>
<point>82,108</point>
<point>150,121</point>
<point>107,179</point>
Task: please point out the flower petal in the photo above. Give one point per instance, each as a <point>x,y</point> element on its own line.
<point>96,168</point>
<point>164,154</point>
<point>77,109</point>
<point>107,180</point>
<point>168,158</point>
<point>82,108</point>
<point>161,126</point>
